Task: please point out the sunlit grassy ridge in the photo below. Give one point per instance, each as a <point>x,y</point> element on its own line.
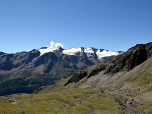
<point>59,102</point>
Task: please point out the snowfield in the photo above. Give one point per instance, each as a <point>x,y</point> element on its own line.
<point>88,51</point>
<point>71,51</point>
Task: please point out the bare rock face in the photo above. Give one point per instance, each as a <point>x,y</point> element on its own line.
<point>77,77</point>
<point>10,61</point>
<point>128,60</point>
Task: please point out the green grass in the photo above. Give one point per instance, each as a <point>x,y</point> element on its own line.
<point>59,102</point>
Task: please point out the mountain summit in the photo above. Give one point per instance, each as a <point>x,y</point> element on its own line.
<point>88,51</point>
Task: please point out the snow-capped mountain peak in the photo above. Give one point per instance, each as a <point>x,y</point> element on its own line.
<point>72,51</point>
<point>88,51</point>
<point>46,50</point>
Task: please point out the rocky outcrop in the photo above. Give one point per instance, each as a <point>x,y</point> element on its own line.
<point>128,60</point>
<point>77,77</point>
<point>88,72</point>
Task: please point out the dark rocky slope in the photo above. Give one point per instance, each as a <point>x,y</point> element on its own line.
<point>128,60</point>
<point>125,62</point>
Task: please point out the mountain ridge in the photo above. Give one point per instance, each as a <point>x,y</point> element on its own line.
<point>31,70</point>
<point>88,51</point>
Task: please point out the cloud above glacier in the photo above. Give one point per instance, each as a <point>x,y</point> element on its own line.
<point>54,45</point>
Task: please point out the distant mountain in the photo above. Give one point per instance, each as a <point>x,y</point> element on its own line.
<point>26,71</point>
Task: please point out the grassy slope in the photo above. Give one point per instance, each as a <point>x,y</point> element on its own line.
<point>76,98</point>
<point>134,85</point>
<point>55,102</point>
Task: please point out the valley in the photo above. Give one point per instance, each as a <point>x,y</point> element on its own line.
<point>120,86</point>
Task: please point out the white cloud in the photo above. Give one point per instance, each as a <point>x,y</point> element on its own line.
<point>59,44</point>
<point>54,45</point>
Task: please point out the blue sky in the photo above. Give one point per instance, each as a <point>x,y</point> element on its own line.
<point>106,24</point>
